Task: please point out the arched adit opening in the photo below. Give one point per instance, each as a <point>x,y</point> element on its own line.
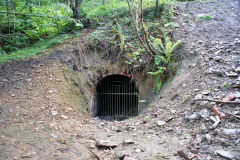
<point>117,96</point>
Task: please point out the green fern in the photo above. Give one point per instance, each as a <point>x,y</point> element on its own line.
<point>168,50</point>
<point>119,30</point>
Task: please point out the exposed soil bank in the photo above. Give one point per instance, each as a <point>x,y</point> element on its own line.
<point>40,116</point>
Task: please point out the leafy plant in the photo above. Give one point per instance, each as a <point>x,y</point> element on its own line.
<point>204,16</point>
<point>165,51</point>
<point>142,101</point>
<point>173,24</point>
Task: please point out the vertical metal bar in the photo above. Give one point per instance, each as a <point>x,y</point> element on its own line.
<point>111,97</point>
<point>107,98</point>
<point>127,96</point>
<point>128,99</point>
<point>124,96</point>
<point>131,100</point>
<point>117,101</point>
<point>103,97</point>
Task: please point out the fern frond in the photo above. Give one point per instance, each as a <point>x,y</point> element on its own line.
<point>176,45</point>
<point>168,48</point>
<point>164,60</point>
<point>153,41</point>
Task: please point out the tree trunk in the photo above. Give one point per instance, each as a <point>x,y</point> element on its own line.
<point>7,7</point>
<point>72,5</point>
<point>137,14</point>
<point>14,10</point>
<point>103,2</point>
<point>156,5</point>
<point>77,13</point>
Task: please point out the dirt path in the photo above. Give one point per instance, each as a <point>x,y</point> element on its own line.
<point>39,118</point>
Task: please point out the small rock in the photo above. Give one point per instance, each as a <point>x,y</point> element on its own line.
<point>64,117</point>
<point>227,154</point>
<point>231,131</point>
<point>215,71</point>
<point>128,141</point>
<point>161,123</point>
<point>54,113</point>
<point>231,74</point>
<point>204,113</point>
<point>185,154</point>
<point>50,91</point>
<point>237,94</point>
<point>206,92</point>
<point>217,58</point>
<point>237,141</point>
<point>203,127</point>
<point>59,80</point>
<point>204,103</point>
<point>174,111</point>
<point>198,96</point>
<point>193,116</point>
<point>197,140</point>
<point>205,147</point>
<point>228,50</point>
<point>218,52</point>
<point>53,135</point>
<point>237,69</point>
<point>209,138</point>
<point>129,158</point>
<point>137,150</point>
<point>106,144</point>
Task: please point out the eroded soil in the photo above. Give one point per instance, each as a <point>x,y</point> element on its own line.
<point>40,116</point>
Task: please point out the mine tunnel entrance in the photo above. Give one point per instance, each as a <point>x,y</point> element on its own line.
<point>117,96</point>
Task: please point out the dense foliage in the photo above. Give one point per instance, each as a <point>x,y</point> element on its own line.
<point>25,22</point>
<point>140,30</point>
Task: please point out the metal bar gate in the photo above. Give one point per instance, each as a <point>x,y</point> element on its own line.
<point>117,96</point>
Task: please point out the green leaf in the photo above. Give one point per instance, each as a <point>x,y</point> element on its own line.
<point>142,101</point>
<point>137,53</point>
<point>204,16</point>
<point>136,66</point>
<point>32,34</point>
<point>152,73</point>
<point>128,62</point>
<point>174,24</point>
<point>158,60</point>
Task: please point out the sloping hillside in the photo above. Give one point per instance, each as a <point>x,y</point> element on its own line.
<point>45,102</point>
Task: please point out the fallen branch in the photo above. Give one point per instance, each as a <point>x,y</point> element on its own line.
<point>233,115</point>
<point>93,154</point>
<point>217,101</point>
<point>216,123</point>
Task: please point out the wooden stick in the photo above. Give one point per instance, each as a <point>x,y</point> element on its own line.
<point>217,101</point>
<point>233,115</point>
<point>216,123</point>
<point>93,154</point>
